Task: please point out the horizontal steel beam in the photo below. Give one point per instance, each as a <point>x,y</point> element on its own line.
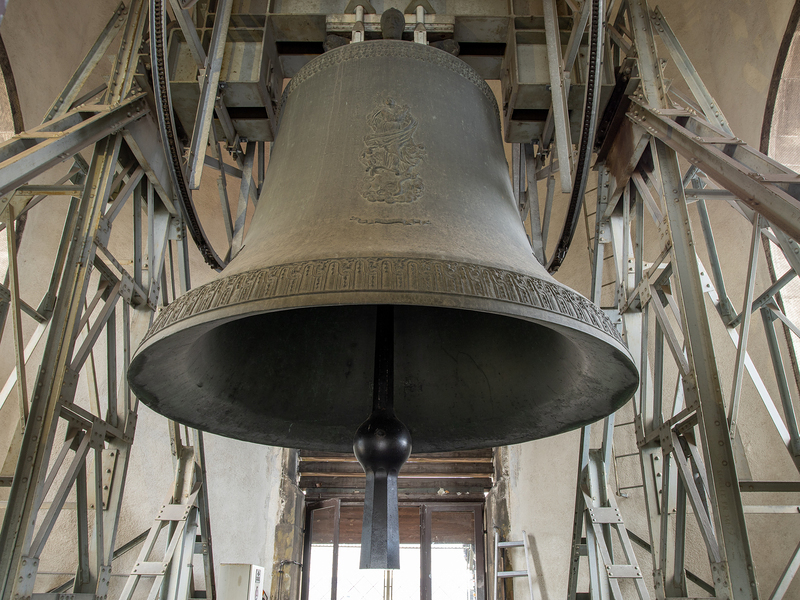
<point>759,194</point>
<point>25,156</point>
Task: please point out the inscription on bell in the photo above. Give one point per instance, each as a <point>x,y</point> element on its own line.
<point>392,156</point>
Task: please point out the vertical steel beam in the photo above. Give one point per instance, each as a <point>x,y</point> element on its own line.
<point>222,187</point>
<point>204,516</point>
<point>208,93</point>
<point>16,315</point>
<point>127,60</point>
<point>82,574</point>
<point>26,488</point>
<point>558,92</point>
<point>531,164</point>
<point>244,193</point>
<point>548,208</point>
<point>737,564</point>
<point>783,385</point>
<point>649,68</point>
<point>744,331</point>
<point>724,305</point>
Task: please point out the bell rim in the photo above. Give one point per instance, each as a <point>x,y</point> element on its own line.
<point>194,330</point>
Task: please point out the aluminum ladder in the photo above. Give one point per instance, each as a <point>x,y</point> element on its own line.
<point>528,572</point>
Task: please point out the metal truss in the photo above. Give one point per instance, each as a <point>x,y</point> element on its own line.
<point>687,444</point>
<point>93,311</point>
<point>692,461</point>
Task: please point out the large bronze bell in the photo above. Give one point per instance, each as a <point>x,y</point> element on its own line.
<point>387,186</point>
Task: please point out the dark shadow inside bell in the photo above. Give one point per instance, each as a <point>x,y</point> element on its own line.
<point>463,379</point>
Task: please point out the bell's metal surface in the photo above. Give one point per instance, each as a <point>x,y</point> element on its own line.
<point>387,185</point>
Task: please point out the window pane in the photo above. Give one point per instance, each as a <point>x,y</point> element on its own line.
<point>453,565</point>
<point>321,556</point>
<point>369,584</point>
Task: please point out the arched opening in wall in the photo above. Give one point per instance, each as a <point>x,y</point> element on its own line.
<point>10,123</point>
<point>780,139</point>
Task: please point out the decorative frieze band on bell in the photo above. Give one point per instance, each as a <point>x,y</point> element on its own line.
<point>398,274</point>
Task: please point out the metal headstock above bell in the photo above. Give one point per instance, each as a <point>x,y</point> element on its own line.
<point>387,185</point>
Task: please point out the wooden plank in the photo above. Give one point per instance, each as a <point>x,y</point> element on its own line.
<point>412,460</point>
<point>403,475</point>
<point>408,483</point>
<point>480,453</point>
<point>408,470</point>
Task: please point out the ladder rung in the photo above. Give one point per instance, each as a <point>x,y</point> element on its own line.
<point>510,544</point>
<point>506,574</point>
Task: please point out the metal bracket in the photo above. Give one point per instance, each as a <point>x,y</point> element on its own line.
<point>412,7</point>
<point>365,4</point>
<point>109,466</point>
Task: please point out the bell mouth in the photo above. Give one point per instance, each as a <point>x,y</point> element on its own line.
<point>303,378</point>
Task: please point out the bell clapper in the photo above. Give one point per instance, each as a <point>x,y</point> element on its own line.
<point>382,445</point>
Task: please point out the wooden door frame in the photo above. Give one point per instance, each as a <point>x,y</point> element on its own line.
<point>428,509</point>
<point>334,503</point>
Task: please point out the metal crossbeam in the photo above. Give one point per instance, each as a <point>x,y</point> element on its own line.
<point>750,176</point>
<point>25,156</point>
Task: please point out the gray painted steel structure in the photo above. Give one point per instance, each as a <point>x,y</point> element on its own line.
<point>687,446</point>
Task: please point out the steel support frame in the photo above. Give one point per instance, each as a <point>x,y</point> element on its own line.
<point>690,455</point>
<point>72,318</point>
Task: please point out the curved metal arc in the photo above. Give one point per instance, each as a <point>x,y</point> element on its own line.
<point>583,164</point>
<point>167,126</point>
